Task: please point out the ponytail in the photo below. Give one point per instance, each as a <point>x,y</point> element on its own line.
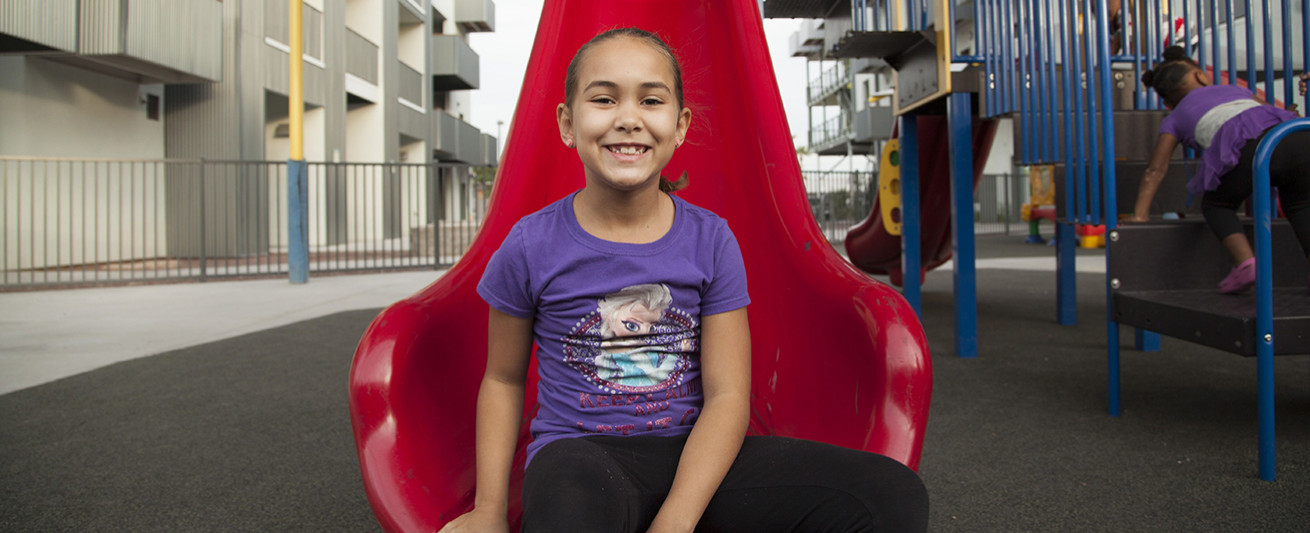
<point>667,185</point>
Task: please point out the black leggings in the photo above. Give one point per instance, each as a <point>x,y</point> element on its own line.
<point>1289,170</point>
<point>610,484</point>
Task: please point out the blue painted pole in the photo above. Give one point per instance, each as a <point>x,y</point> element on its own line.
<point>1232,44</point>
<point>1250,49</point>
<point>1268,59</point>
<point>1289,77</point>
<point>1264,290</point>
<point>1146,341</point>
<point>1111,209</point>
<point>1066,275</point>
<point>1066,294</point>
<point>297,215</point>
<point>910,218</point>
<point>960,117</point>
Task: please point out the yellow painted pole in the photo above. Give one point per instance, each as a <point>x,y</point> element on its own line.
<point>296,91</point>
<point>297,180</point>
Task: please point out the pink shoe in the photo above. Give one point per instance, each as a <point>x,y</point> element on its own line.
<point>1241,278</point>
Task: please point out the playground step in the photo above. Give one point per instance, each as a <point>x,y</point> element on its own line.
<point>1164,277</point>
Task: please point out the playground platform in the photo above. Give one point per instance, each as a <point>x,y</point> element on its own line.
<point>241,423</point>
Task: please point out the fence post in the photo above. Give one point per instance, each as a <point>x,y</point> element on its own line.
<point>204,267</point>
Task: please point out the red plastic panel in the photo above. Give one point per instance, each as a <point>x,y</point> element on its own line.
<point>874,250</point>
<point>838,357</point>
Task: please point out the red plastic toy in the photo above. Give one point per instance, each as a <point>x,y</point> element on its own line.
<point>838,357</point>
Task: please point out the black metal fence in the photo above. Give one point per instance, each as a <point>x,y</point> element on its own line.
<point>842,199</point>
<point>66,222</point>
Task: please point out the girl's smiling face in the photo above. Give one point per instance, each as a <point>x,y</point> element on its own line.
<point>625,119</point>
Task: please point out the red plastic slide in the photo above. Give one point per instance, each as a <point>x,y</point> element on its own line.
<point>868,244</point>
<point>838,357</point>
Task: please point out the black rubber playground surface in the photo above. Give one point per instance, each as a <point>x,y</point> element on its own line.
<point>252,433</point>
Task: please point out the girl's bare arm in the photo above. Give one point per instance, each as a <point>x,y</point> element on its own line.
<point>500,409</point>
<point>1155,171</point>
<point>721,427</point>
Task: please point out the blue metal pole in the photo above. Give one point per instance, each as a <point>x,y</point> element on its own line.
<point>1011,84</point>
<point>1140,95</point>
<point>1200,34</point>
<point>1289,78</point>
<point>1264,289</point>
<point>1250,48</point>
<point>1027,153</point>
<point>1268,59</point>
<point>1232,44</point>
<point>1052,126</point>
<point>1146,341</point>
<point>1214,39</point>
<point>1039,82</point>
<point>1094,68</point>
<point>297,215</point>
<point>966,282</point>
<point>1076,188</point>
<point>911,257</point>
<point>983,35</point>
<point>1111,211</point>
<point>1066,309</point>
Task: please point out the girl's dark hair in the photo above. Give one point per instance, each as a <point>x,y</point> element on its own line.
<point>1167,77</point>
<point>571,78</point>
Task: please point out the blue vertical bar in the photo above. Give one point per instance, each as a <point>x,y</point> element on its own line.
<point>1111,212</point>
<point>1214,39</point>
<point>960,116</point>
<point>1140,94</point>
<point>1025,107</point>
<point>983,36</point>
<point>297,220</point>
<point>1094,160</point>
<point>1052,127</point>
<point>1076,187</point>
<point>1066,309</point>
<point>911,257</point>
<point>1268,59</point>
<point>1289,78</point>
<point>1011,83</point>
<point>1231,43</point>
<point>1039,85</point>
<point>1066,274</point>
<point>1250,49</point>
<point>1146,341</point>
<point>1264,290</point>
<point>1200,34</point>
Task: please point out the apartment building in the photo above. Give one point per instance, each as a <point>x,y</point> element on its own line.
<point>385,81</point>
<point>849,109</point>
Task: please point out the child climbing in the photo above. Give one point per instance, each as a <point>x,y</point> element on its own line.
<point>1225,123</point>
<point>636,301</point>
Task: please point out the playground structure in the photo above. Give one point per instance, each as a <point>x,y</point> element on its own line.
<point>859,375</point>
<point>1077,106</point>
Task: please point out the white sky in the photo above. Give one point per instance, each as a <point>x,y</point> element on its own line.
<point>504,57</point>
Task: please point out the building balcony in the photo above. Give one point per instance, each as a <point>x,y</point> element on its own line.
<point>475,15</point>
<point>456,141</point>
<point>144,41</point>
<point>808,40</point>
<point>38,26</point>
<point>823,88</point>
<point>873,123</point>
<point>454,64</point>
<point>490,153</point>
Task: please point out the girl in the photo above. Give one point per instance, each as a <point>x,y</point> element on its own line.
<point>645,447</point>
<point>1226,122</point>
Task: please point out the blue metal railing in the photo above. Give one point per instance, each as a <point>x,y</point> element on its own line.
<point>1050,65</point>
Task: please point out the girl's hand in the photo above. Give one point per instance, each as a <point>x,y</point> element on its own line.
<point>476,521</point>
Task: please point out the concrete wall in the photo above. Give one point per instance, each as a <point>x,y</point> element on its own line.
<point>55,110</point>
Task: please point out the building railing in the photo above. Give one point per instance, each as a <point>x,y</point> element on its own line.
<point>66,222</point>
<point>832,129</point>
<point>361,57</point>
<point>411,84</point>
<point>827,82</point>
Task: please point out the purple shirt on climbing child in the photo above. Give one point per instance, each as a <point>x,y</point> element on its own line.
<point>617,325</point>
<point>1220,120</point>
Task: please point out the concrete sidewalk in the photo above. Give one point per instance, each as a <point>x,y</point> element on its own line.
<point>48,335</point>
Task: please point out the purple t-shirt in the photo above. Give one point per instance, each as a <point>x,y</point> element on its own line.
<point>617,325</point>
<point>1219,120</point>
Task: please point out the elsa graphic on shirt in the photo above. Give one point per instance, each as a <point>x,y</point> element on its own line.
<point>635,341</point>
